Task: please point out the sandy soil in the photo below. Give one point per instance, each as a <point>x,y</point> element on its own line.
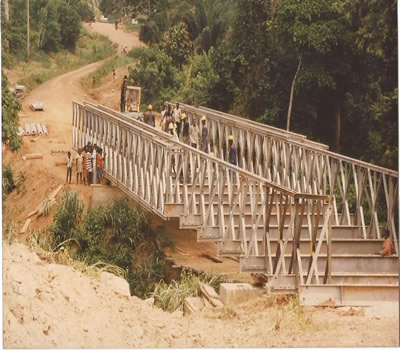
<point>54,306</point>
<point>121,36</point>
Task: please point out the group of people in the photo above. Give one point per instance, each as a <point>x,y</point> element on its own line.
<point>176,123</point>
<point>89,165</point>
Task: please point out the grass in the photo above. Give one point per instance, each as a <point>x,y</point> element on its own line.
<point>171,297</point>
<point>105,69</point>
<point>40,242</point>
<point>91,47</point>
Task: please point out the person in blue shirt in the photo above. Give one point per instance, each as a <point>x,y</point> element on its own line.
<point>232,158</point>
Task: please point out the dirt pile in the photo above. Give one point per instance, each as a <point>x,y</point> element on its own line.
<point>54,306</point>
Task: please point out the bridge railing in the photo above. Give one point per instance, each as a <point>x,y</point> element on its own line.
<point>209,194</point>
<point>364,195</point>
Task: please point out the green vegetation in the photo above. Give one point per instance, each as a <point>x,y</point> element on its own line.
<point>118,235</point>
<point>9,108</point>
<point>10,182</point>
<point>321,68</point>
<point>54,25</point>
<point>90,48</point>
<point>170,297</point>
<point>67,216</point>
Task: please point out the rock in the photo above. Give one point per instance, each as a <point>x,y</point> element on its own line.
<point>192,305</point>
<point>235,293</point>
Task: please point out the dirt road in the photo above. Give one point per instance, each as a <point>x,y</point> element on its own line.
<point>121,36</point>
<point>41,176</point>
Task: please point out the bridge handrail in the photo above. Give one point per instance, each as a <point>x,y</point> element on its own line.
<point>158,171</point>
<point>364,194</point>
<point>286,136</point>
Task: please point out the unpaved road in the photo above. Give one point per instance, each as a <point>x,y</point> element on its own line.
<point>120,36</point>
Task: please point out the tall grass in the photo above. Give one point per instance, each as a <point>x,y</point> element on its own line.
<point>171,297</point>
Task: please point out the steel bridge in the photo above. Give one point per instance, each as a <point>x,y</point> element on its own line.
<point>310,219</point>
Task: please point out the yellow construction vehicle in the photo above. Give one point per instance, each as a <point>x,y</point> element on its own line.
<point>133,97</point>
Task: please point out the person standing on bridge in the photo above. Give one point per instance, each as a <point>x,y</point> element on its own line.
<point>169,119</point>
<point>232,157</point>
<point>177,113</point>
<point>123,93</point>
<point>172,131</point>
<point>89,164</point>
<point>69,162</point>
<point>194,133</point>
<point>185,129</point>
<point>79,166</point>
<point>99,165</point>
<point>149,116</point>
<point>204,134</point>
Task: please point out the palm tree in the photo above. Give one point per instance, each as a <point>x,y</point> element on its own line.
<point>207,22</point>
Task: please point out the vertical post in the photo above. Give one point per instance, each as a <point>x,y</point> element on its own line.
<point>6,10</point>
<point>28,48</point>
<point>329,243</point>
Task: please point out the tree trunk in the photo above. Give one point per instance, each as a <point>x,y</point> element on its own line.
<point>292,93</point>
<point>338,120</point>
<point>148,5</point>
<point>6,10</point>
<point>28,44</point>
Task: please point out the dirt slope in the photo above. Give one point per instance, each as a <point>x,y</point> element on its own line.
<point>55,306</point>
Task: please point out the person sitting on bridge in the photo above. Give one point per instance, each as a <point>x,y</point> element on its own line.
<point>185,129</point>
<point>149,116</point>
<point>204,134</point>
<point>232,158</point>
<point>387,245</point>
<point>123,93</point>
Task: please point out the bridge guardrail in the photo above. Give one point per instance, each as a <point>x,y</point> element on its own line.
<point>158,171</point>
<point>364,194</point>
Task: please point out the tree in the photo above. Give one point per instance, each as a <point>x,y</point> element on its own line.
<point>177,44</point>
<point>156,74</point>
<point>10,108</point>
<point>200,80</point>
<point>207,22</point>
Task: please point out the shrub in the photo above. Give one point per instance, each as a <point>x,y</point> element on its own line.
<point>67,217</point>
<point>8,180</point>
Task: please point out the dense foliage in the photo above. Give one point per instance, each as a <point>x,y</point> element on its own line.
<point>54,25</point>
<point>9,116</point>
<point>333,62</point>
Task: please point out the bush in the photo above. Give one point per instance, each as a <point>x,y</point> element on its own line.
<point>8,180</point>
<point>10,108</point>
<point>113,234</point>
<point>67,217</point>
